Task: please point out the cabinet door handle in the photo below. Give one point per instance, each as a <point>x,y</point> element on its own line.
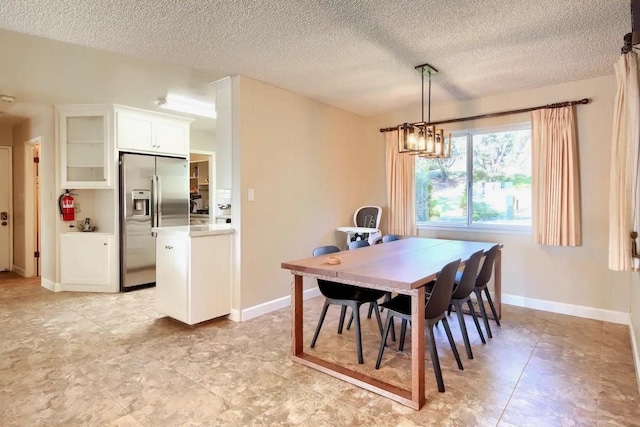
<point>168,247</point>
<point>105,244</point>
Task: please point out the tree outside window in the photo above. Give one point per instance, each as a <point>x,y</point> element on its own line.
<point>487,181</point>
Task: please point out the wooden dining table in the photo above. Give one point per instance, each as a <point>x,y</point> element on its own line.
<point>404,266</point>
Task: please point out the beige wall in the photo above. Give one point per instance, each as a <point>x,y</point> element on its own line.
<point>579,275</point>
<point>310,168</point>
<point>20,133</point>
<point>6,136</point>
<point>41,124</point>
<point>201,139</point>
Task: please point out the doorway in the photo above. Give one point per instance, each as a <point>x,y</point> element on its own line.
<point>6,208</point>
<point>32,206</point>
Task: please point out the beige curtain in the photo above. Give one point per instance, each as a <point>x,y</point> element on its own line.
<point>623,194</point>
<point>401,189</point>
<point>556,177</point>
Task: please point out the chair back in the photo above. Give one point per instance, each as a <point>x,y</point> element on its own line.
<point>323,250</point>
<point>487,267</point>
<point>326,287</point>
<point>469,275</point>
<point>368,216</point>
<point>358,244</point>
<point>390,238</point>
<point>440,297</point>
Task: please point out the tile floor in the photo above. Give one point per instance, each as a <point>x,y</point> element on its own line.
<point>95,359</point>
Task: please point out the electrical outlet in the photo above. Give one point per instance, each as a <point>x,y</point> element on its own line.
<point>76,207</point>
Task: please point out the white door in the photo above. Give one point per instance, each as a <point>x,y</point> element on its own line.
<point>5,208</point>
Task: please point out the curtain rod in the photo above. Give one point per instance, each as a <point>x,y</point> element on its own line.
<point>499,114</point>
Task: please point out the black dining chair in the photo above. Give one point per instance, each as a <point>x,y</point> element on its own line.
<point>358,244</point>
<point>435,310</point>
<point>345,296</point>
<point>464,283</point>
<point>390,238</point>
<point>387,295</point>
<point>481,285</point>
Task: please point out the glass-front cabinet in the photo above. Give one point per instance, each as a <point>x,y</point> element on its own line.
<point>85,137</point>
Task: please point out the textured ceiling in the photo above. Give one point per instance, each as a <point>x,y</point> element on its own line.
<point>356,55</point>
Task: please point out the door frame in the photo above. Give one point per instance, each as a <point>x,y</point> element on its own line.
<point>29,207</point>
<point>11,219</point>
<point>213,190</point>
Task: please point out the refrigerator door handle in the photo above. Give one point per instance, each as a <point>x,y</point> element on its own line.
<point>159,206</point>
<point>154,204</point>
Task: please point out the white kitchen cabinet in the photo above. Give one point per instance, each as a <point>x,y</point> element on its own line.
<point>86,259</point>
<point>86,146</point>
<point>149,132</point>
<point>193,276</point>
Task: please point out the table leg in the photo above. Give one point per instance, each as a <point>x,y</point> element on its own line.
<point>296,307</point>
<point>417,348</point>
<point>498,283</point>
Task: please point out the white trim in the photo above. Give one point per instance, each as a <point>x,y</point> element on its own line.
<point>19,270</point>
<point>636,353</point>
<point>48,284</point>
<point>234,316</point>
<point>87,288</point>
<point>569,309</point>
<point>29,205</point>
<point>276,304</point>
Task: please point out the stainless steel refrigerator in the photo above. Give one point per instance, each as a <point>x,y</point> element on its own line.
<point>154,192</point>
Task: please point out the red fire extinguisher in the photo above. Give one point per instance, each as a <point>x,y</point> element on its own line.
<point>66,206</point>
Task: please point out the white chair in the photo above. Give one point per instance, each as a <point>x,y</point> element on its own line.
<point>367,225</point>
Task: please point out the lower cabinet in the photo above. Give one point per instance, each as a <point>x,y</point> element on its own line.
<point>86,260</point>
<point>193,276</point>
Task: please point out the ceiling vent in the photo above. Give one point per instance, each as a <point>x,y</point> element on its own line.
<point>7,98</point>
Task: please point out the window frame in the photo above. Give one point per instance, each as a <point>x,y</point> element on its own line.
<point>470,225</point>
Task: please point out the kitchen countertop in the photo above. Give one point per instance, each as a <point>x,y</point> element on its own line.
<point>196,230</point>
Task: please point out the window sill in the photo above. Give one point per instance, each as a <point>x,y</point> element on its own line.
<point>487,229</point>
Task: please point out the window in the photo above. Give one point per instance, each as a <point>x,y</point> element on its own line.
<point>485,183</point>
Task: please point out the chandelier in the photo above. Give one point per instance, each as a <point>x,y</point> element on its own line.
<point>423,139</point>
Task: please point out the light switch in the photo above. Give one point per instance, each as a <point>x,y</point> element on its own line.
<point>250,195</point>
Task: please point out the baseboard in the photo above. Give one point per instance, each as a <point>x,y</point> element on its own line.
<point>85,288</point>
<point>636,352</point>
<point>19,270</point>
<point>48,284</point>
<point>234,315</point>
<point>276,304</point>
<point>569,309</point>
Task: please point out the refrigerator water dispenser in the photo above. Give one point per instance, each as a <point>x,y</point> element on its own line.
<point>141,203</point>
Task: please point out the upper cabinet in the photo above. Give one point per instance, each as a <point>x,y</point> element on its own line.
<point>86,146</point>
<point>148,132</point>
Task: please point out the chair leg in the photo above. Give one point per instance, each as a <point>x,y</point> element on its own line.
<point>343,311</point>
<point>449,310</point>
<point>445,322</point>
<point>403,334</point>
<point>483,312</point>
<point>370,311</point>
<point>431,343</point>
<point>322,316</point>
<point>350,321</point>
<point>383,343</point>
<point>387,298</point>
<point>475,320</point>
<point>463,329</point>
<point>377,311</point>
<point>356,318</point>
<point>493,309</point>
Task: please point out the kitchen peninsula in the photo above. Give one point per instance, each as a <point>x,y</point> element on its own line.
<point>193,271</point>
